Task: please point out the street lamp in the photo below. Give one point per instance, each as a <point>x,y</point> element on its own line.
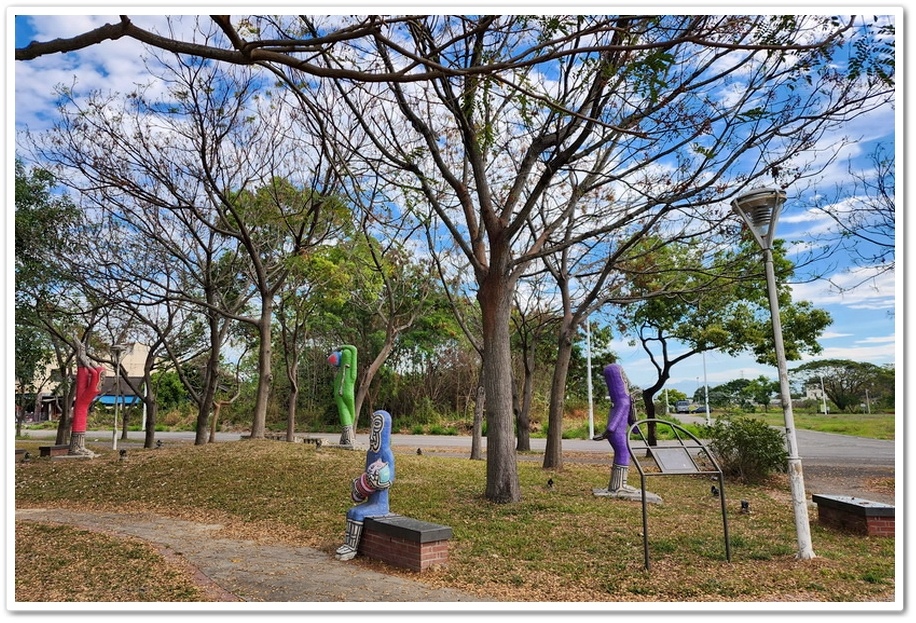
<point>117,349</point>
<point>823,395</point>
<point>759,209</point>
<point>591,408</point>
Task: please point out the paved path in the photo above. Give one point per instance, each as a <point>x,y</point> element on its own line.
<point>244,571</point>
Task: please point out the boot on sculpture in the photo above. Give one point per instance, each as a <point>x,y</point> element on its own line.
<point>348,550</point>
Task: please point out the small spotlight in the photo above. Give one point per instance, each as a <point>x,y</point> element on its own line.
<point>745,507</point>
<point>158,443</point>
<point>123,454</point>
<point>714,491</point>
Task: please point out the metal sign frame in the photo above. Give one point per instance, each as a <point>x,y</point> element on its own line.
<point>683,455</point>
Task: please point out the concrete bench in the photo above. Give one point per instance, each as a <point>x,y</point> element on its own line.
<point>58,450</point>
<point>297,438</point>
<point>855,514</point>
<point>405,542</point>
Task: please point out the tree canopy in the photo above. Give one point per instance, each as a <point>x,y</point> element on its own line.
<point>521,143</point>
<point>848,384</point>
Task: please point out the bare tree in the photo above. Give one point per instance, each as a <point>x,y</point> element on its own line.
<point>533,319</point>
<point>207,174</point>
<point>866,216</point>
<point>484,124</point>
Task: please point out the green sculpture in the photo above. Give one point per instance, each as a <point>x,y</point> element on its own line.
<point>344,359</point>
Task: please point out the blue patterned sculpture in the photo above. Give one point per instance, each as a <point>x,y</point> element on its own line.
<point>370,490</point>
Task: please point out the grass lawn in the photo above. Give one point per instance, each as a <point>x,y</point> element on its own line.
<point>559,544</point>
<point>871,425</point>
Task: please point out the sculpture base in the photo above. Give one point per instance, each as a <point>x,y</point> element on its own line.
<point>627,494</point>
<point>341,446</point>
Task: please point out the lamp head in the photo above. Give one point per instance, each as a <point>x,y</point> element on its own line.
<point>759,209</point>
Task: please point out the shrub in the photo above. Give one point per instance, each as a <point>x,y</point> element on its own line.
<point>747,449</point>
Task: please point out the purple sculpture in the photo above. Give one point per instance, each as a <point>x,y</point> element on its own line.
<point>370,490</point>
<point>618,423</point>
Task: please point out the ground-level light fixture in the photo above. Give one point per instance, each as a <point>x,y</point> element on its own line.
<point>760,209</point>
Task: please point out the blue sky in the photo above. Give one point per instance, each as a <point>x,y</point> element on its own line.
<point>867,320</point>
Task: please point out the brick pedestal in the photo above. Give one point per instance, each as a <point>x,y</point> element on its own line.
<point>405,542</point>
<point>855,514</point>
<point>58,450</point>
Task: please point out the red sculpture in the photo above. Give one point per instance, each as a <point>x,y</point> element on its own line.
<point>88,382</point>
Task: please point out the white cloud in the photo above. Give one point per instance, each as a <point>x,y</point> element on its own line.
<point>876,353</point>
<point>833,335</point>
<point>856,288</point>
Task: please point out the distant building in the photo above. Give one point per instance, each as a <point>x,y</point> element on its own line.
<point>133,358</point>
<point>814,391</point>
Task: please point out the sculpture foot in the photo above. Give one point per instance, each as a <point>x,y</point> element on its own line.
<point>78,446</point>
<point>629,494</point>
<point>345,552</point>
<point>348,550</point>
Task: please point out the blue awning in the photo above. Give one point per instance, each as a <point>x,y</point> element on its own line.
<point>108,399</point>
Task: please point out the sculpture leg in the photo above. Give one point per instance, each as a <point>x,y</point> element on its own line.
<point>348,550</point>
<point>619,480</point>
<point>346,436</point>
<point>78,445</point>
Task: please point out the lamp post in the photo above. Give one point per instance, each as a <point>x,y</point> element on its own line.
<point>823,395</point>
<point>705,389</point>
<point>117,349</point>
<point>759,209</point>
<point>591,408</point>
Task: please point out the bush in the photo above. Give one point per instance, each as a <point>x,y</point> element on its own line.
<point>747,449</point>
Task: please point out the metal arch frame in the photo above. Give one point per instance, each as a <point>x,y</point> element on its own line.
<point>685,449</point>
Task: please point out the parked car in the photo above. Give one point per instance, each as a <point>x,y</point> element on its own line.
<point>700,409</point>
<point>682,406</point>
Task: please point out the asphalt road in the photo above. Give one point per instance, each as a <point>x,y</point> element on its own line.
<point>833,464</point>
<point>814,447</point>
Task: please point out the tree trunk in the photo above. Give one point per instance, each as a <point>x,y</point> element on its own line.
<point>523,424</point>
<point>520,406</point>
<point>292,375</point>
<point>495,297</point>
<point>217,407</point>
<point>125,418</point>
<point>152,413</point>
<point>477,430</point>
<point>648,401</point>
<point>291,414</point>
<point>553,453</point>
<point>66,419</point>
<point>366,381</point>
<point>265,374</point>
<point>210,377</point>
